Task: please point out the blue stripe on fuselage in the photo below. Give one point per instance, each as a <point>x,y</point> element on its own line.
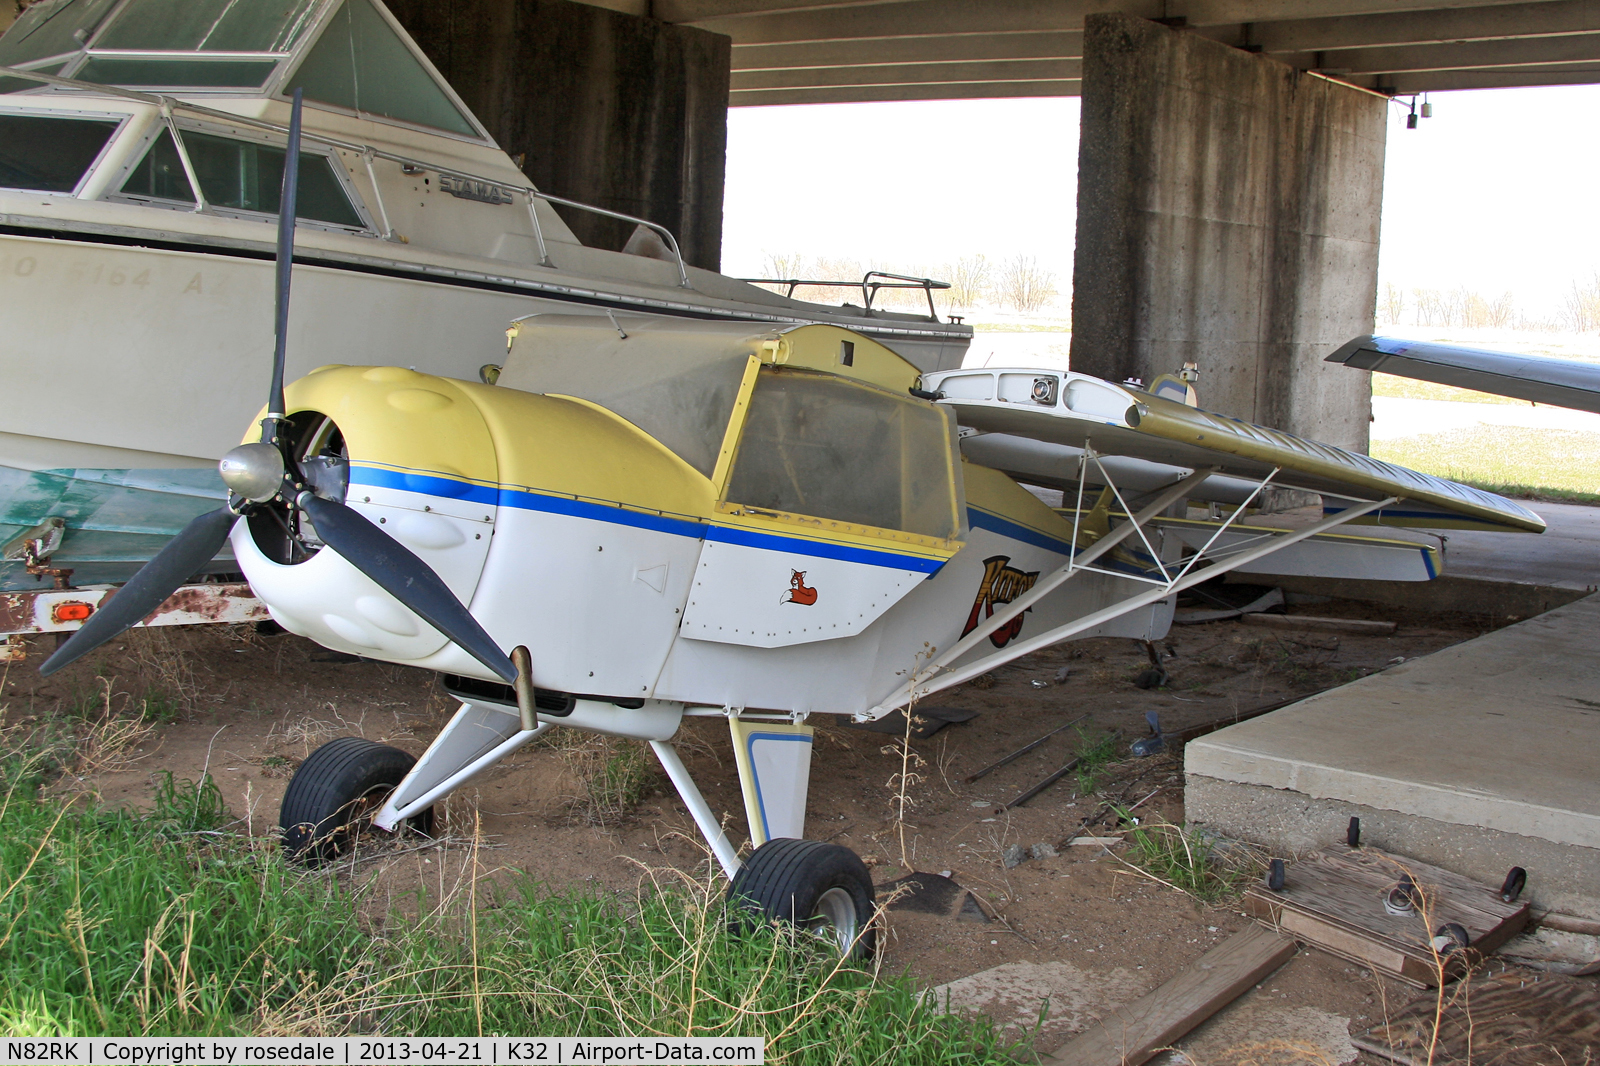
<point>522,499</point>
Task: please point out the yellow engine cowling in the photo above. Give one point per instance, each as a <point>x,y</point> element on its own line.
<point>434,462</point>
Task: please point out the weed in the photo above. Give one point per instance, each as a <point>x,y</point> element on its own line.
<point>1095,756</point>
<point>613,774</point>
<point>1185,859</point>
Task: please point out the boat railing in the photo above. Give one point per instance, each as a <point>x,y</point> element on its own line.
<point>169,105</point>
<point>869,288</point>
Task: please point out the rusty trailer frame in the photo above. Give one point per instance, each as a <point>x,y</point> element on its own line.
<point>25,614</point>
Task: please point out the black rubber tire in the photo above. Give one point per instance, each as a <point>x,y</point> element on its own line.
<point>1516,880</point>
<point>323,806</point>
<point>786,880</point>
<point>1456,933</point>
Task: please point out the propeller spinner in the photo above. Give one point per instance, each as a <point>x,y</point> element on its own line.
<point>267,471</point>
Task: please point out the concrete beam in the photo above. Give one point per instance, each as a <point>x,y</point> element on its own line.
<point>865,93</point>
<point>779,21</point>
<point>1502,22</point>
<point>701,10</point>
<point>1479,55</point>
<point>1516,78</point>
<point>879,52</point>
<point>913,18</point>
<point>930,75</point>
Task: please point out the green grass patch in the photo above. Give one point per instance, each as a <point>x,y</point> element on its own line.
<point>1186,860</point>
<point>1559,464</point>
<point>1410,389</point>
<point>168,922</point>
<point>1096,754</point>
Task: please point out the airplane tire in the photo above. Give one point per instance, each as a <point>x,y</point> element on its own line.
<point>333,794</point>
<point>822,888</point>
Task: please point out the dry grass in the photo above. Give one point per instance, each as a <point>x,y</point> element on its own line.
<point>612,774</point>
<point>1512,460</point>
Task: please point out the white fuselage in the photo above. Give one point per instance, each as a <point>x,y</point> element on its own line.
<point>598,595</point>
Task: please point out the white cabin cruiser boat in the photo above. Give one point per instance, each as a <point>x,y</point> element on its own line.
<point>141,152</point>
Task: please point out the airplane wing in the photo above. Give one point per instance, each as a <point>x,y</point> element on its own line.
<point>1025,420</point>
<point>1537,378</point>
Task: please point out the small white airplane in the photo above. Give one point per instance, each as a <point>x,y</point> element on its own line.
<point>665,518</point>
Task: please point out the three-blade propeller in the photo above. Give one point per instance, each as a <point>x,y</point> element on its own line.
<point>259,473</point>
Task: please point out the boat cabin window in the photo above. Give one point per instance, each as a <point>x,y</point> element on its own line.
<point>207,26</point>
<point>361,63</point>
<point>50,154</point>
<point>51,28</point>
<point>240,176</point>
<point>183,46</point>
<point>828,447</point>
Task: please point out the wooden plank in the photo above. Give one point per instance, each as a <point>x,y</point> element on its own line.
<point>1334,899</point>
<point>1311,621</point>
<point>1133,1034</point>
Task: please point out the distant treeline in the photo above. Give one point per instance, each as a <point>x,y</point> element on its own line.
<point>1461,306</point>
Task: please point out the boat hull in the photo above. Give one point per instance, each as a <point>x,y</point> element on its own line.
<point>129,369</point>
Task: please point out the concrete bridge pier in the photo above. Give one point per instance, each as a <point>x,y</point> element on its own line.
<point>1228,211</point>
<point>609,108</point>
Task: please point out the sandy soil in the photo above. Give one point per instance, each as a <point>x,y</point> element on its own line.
<point>248,708</point>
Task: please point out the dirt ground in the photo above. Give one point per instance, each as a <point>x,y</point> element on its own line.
<point>247,708</point>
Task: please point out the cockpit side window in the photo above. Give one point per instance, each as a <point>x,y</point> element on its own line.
<point>240,176</point>
<point>360,63</point>
<point>50,154</point>
<point>831,448</point>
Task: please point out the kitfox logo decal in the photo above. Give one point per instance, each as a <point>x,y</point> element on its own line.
<point>797,592</point>
<point>1001,584</point>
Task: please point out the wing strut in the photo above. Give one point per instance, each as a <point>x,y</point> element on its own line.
<point>938,674</point>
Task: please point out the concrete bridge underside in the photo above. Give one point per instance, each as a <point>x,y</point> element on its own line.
<point>1231,160</point>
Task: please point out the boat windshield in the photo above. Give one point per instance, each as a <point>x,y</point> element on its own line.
<point>358,57</point>
<point>53,27</point>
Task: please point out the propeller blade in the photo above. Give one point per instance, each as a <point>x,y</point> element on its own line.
<point>405,577</point>
<point>285,257</point>
<point>196,545</point>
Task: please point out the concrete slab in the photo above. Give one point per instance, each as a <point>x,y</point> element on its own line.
<point>1565,555</point>
<point>1476,758</point>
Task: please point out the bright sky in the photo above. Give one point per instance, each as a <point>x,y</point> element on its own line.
<point>914,184</point>
<point>1497,191</point>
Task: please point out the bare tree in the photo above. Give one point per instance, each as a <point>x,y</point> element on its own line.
<point>1433,307</point>
<point>1024,284</point>
<point>1581,309</point>
<point>1391,304</point>
<point>969,280</point>
<point>786,265</point>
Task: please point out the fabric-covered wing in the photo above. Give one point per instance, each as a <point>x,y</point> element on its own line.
<point>1067,413</point>
<point>1537,378</point>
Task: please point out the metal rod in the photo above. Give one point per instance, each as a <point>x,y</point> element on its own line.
<point>538,230</point>
<point>1017,649</point>
<point>183,157</point>
<point>1020,752</point>
<point>377,196</point>
<point>467,773</point>
<point>1042,785</point>
<point>699,809</point>
<point>1074,564</point>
